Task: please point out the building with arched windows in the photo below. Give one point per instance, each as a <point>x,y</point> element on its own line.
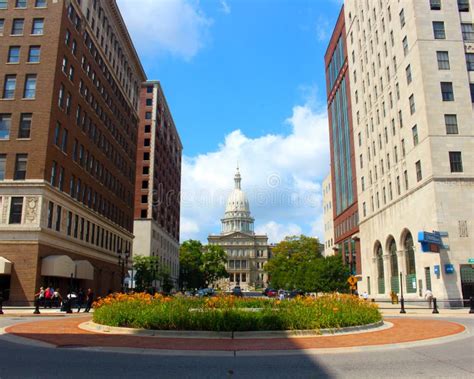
<point>246,251</point>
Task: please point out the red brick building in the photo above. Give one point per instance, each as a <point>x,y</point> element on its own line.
<point>343,165</point>
<point>69,97</point>
<point>158,181</point>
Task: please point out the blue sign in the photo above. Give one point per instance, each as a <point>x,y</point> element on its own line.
<point>436,269</point>
<point>430,242</point>
<point>448,268</point>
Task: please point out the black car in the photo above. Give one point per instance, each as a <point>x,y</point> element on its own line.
<point>295,293</point>
<point>237,291</point>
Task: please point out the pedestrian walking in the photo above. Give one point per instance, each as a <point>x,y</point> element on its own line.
<point>90,300</point>
<point>429,297</point>
<point>57,298</point>
<point>48,297</point>
<point>40,296</point>
<point>80,299</point>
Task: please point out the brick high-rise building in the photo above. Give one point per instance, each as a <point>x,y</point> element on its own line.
<point>69,96</point>
<point>343,165</point>
<point>158,181</point>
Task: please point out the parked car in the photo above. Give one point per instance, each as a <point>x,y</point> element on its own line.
<point>205,292</point>
<point>270,292</point>
<point>237,291</point>
<point>295,293</point>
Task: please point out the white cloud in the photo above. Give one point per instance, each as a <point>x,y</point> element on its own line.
<point>277,232</point>
<point>178,27</point>
<point>225,7</point>
<point>323,29</point>
<point>281,175</point>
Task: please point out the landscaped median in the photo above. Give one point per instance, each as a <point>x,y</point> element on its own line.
<point>231,314</point>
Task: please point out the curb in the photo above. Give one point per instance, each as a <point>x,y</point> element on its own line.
<point>91,326</point>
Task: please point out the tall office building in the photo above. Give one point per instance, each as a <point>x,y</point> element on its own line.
<point>343,169</point>
<point>158,181</point>
<point>328,217</point>
<point>69,95</point>
<point>411,69</point>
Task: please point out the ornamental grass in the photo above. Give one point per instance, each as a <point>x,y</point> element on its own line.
<point>229,313</point>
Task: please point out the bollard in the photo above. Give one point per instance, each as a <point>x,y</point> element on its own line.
<point>1,303</point>
<point>435,305</point>
<point>37,306</point>
<point>471,300</point>
<point>402,302</point>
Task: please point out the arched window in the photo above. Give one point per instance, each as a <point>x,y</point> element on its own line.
<point>380,271</point>
<point>410,263</point>
<point>394,278</point>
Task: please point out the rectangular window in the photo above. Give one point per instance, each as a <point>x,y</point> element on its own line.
<point>38,26</point>
<point>447,91</point>
<point>455,161</point>
<point>61,96</point>
<point>149,102</point>
<point>463,5</point>
<point>72,186</point>
<point>40,3</point>
<point>64,141</point>
<point>17,26</point>
<point>24,130</point>
<point>470,61</point>
<point>405,46</point>
<point>443,60</point>
<point>61,179</point>
<point>59,210</point>
<point>34,54</point>
<point>467,31</point>
<point>30,87</point>
<point>76,225</point>
<point>419,175</point>
<point>414,132</point>
<point>9,87</point>
<point>54,170</point>
<point>405,175</point>
<point>20,166</point>
<point>471,87</point>
<point>402,18</point>
<point>57,133</point>
<point>408,74</point>
<point>403,148</point>
<point>16,209</point>
<point>69,223</point>
<point>451,122</point>
<point>398,185</point>
<point>2,25</point>
<point>3,4</point>
<point>13,54</point>
<point>3,161</point>
<point>438,30</point>
<point>5,125</point>
<point>435,5</point>
<point>50,215</point>
<point>411,101</point>
<point>20,4</point>
<point>148,115</point>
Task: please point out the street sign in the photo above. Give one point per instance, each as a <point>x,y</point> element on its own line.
<point>352,280</point>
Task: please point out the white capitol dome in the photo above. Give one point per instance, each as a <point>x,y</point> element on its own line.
<point>237,211</point>
<point>237,201</point>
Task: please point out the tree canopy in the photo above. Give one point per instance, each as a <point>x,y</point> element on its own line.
<point>147,270</point>
<point>201,266</point>
<point>297,263</point>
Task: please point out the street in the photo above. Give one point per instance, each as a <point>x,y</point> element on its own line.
<point>448,360</point>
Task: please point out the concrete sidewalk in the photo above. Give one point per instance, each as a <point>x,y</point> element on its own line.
<point>28,312</point>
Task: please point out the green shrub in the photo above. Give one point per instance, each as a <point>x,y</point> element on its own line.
<point>227,313</point>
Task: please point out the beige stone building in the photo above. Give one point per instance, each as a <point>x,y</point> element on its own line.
<point>411,77</point>
<point>247,252</point>
<point>328,217</point>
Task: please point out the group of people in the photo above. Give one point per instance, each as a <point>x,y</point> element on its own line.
<point>49,297</point>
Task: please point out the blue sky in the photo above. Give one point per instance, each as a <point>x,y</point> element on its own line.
<point>245,82</point>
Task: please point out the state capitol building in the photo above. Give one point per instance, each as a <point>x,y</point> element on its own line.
<point>247,252</point>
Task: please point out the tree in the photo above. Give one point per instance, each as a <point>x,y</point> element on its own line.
<point>214,259</point>
<point>190,261</point>
<point>146,271</point>
<point>297,264</point>
<point>164,276</point>
<point>201,266</point>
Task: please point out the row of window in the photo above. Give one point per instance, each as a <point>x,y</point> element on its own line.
<point>24,128</point>
<point>23,4</point>
<point>456,166</point>
<point>18,27</point>
<point>34,54</point>
<point>347,225</point>
<point>29,88</point>
<point>238,277</point>
<point>463,5</point>
<point>83,229</point>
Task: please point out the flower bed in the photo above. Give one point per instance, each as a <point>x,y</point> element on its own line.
<point>228,313</point>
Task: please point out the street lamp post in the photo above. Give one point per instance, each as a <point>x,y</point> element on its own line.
<point>123,263</point>
<point>154,270</point>
<point>402,300</point>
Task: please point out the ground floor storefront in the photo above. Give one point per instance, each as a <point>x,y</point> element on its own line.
<point>25,267</point>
